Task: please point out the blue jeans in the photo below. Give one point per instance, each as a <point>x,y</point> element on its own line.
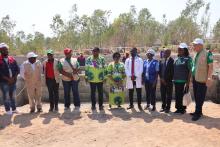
<point>67,86</point>
<point>8,92</point>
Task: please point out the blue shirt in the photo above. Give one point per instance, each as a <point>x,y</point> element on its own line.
<point>151,68</point>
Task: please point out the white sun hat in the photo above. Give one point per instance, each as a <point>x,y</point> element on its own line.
<point>151,51</point>
<point>31,55</point>
<point>4,45</point>
<point>198,41</point>
<point>183,45</point>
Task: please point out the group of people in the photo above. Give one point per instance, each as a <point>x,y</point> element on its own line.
<point>134,73</point>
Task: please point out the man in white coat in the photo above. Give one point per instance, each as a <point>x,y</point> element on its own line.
<point>31,71</point>
<point>134,70</point>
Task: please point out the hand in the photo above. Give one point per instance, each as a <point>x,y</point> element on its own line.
<point>163,81</point>
<point>154,84</point>
<point>209,82</point>
<point>86,80</point>
<point>186,87</point>
<point>11,81</point>
<point>119,83</point>
<point>69,75</point>
<point>133,78</point>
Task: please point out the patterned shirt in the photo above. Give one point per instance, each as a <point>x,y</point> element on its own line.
<point>95,69</point>
<point>117,71</point>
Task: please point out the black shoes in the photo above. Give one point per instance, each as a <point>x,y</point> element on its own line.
<point>101,108</point>
<point>39,110</point>
<point>196,117</point>
<point>140,107</point>
<point>56,109</point>
<point>167,111</point>
<point>67,109</point>
<point>180,112</point>
<point>130,107</point>
<point>153,109</point>
<point>162,110</point>
<point>93,108</point>
<point>32,110</point>
<point>194,114</point>
<point>147,107</point>
<point>51,110</point>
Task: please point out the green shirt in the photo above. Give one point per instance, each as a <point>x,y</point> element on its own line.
<point>209,60</point>
<point>95,69</point>
<point>189,65</point>
<point>116,71</point>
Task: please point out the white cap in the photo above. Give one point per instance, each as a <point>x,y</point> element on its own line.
<point>183,45</point>
<point>4,45</point>
<point>31,55</point>
<point>198,41</point>
<point>151,51</point>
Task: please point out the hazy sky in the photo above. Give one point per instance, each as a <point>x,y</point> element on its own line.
<point>40,12</point>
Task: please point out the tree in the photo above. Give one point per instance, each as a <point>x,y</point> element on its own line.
<point>192,9</point>
<point>7,25</point>
<point>183,30</point>
<point>98,25</point>
<point>216,31</point>
<point>147,28</point>
<point>57,25</point>
<point>205,21</point>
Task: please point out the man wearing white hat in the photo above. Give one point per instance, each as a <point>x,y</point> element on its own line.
<point>8,76</point>
<point>150,74</point>
<point>31,72</point>
<point>202,75</point>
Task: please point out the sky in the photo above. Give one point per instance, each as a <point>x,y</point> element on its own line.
<point>40,12</point>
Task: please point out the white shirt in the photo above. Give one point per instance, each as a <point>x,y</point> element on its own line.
<point>167,60</point>
<point>9,69</point>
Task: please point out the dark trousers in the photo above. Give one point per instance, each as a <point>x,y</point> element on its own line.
<point>179,92</point>
<point>131,95</point>
<point>166,94</point>
<point>8,92</point>
<point>93,87</point>
<point>53,89</point>
<point>199,90</point>
<point>150,93</point>
<point>68,85</point>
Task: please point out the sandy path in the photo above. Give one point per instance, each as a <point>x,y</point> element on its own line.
<point>115,128</point>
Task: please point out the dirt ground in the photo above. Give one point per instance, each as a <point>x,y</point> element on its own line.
<point>115,128</point>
